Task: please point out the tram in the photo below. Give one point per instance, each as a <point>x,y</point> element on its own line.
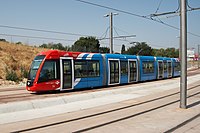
<point>61,70</point>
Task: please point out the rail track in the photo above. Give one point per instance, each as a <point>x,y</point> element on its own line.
<point>20,93</point>
<point>107,117</point>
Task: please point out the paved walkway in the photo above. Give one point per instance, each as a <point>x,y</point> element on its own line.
<point>159,111</point>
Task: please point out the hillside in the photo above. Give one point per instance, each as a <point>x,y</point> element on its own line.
<point>16,58</point>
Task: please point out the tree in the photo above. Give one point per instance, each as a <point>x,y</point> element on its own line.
<point>43,46</point>
<point>104,50</point>
<point>176,53</point>
<point>123,50</point>
<point>19,43</point>
<point>140,49</point>
<point>158,52</point>
<point>58,46</point>
<point>169,52</point>
<point>86,44</point>
<point>172,52</point>
<point>3,40</point>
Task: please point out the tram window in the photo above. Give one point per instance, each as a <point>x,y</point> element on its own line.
<point>169,65</point>
<point>35,66</point>
<point>177,66</point>
<point>165,66</point>
<point>50,71</point>
<point>114,71</point>
<point>80,68</point>
<point>124,67</point>
<point>148,67</point>
<point>93,68</point>
<point>86,69</point>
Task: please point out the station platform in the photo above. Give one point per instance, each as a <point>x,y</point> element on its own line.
<point>144,107</point>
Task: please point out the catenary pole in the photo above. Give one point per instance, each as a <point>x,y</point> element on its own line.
<point>198,56</point>
<point>183,39</point>
<point>111,29</point>
<point>111,32</point>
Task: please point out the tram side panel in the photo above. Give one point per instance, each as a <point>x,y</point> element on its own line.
<point>160,67</point>
<point>147,68</point>
<point>95,71</point>
<point>44,74</point>
<point>176,67</point>
<point>124,71</point>
<point>54,70</point>
<point>48,77</point>
<point>112,69</point>
<point>88,71</point>
<point>169,67</point>
<point>121,69</point>
<point>128,69</point>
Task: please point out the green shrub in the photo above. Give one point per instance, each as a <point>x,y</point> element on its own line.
<point>11,75</point>
<point>19,43</point>
<point>3,40</point>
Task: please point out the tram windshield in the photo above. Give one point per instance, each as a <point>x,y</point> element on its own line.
<point>35,66</point>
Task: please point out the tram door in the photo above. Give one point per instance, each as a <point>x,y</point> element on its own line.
<point>66,73</point>
<point>114,71</point>
<point>160,70</point>
<point>132,71</point>
<point>165,69</point>
<point>169,68</point>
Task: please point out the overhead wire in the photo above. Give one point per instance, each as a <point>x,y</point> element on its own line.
<point>36,37</point>
<point>123,38</point>
<point>74,34</point>
<point>190,6</point>
<point>114,9</point>
<point>116,31</point>
<point>158,6</point>
<point>133,14</point>
<point>41,30</point>
<point>121,30</point>
<point>105,33</point>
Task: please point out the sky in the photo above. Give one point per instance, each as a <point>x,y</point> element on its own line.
<point>72,16</point>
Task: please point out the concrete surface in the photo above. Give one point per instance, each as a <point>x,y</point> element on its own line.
<point>26,110</point>
<point>157,111</point>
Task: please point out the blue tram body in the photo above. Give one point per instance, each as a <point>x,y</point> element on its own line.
<point>88,70</point>
<point>147,68</point>
<point>176,67</point>
<point>115,69</point>
<point>160,68</point>
<point>120,69</point>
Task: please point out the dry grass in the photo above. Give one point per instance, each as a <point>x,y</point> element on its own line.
<point>14,56</point>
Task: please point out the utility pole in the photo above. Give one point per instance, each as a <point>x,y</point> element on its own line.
<point>183,41</point>
<point>183,49</point>
<point>111,29</point>
<point>198,56</point>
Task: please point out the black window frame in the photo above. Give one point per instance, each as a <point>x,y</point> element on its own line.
<point>87,72</point>
<point>133,71</point>
<point>33,71</point>
<point>56,77</point>
<point>169,66</point>
<point>93,72</point>
<point>177,66</point>
<point>114,68</point>
<point>165,66</point>
<point>147,68</point>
